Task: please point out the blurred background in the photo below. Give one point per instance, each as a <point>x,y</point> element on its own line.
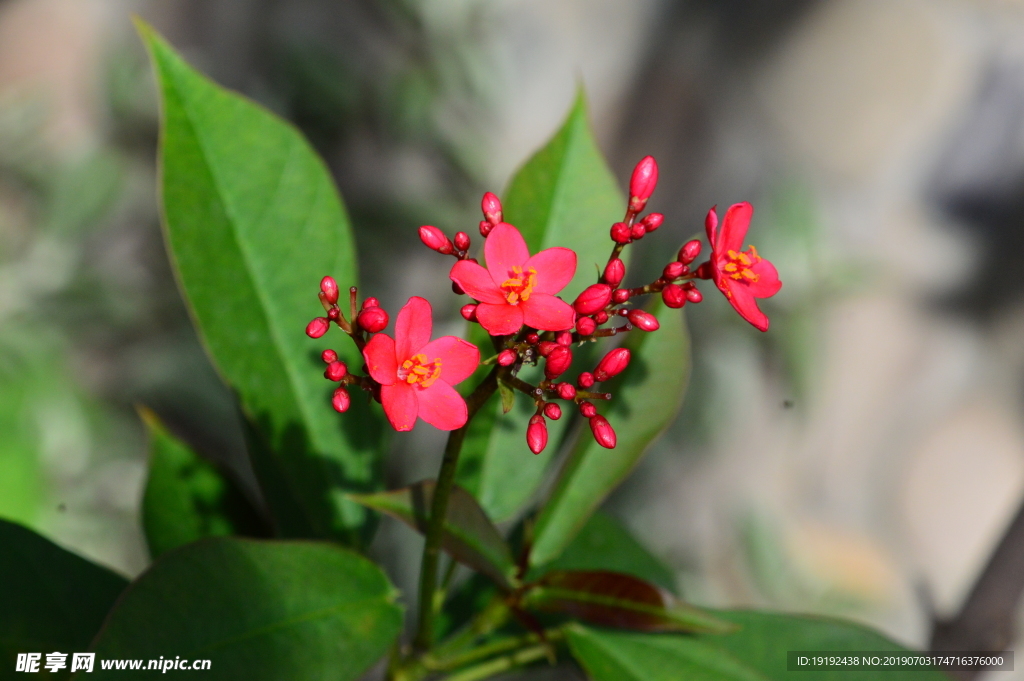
<point>864,459</point>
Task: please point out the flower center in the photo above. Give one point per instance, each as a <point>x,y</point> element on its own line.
<point>738,265</point>
<point>518,287</point>
<point>418,371</point>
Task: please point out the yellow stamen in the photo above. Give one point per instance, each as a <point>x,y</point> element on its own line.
<point>519,286</point>
<point>418,371</point>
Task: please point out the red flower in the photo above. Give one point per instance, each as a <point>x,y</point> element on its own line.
<point>742,276</point>
<point>416,374</point>
<point>515,288</point>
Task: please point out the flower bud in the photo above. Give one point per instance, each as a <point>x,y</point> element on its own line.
<point>620,295</point>
<point>532,338</point>
<point>330,289</point>
<point>689,252</point>
<point>457,290</point>
<point>601,317</point>
<point>585,326</point>
<point>545,348</point>
<point>373,319</point>
<point>552,411</point>
<point>370,302</point>
<point>693,295</point>
<point>435,240</point>
<point>644,321</point>
<point>710,223</point>
<point>644,179</point>
<point>558,362</point>
<point>468,312</point>
<point>588,409</point>
<point>673,295</point>
<point>585,380</point>
<point>341,400</point>
<point>704,271</point>
<point>328,356</point>
<point>318,327</point>
<point>603,431</point>
<point>336,371</point>
<point>461,241</point>
<point>653,221</point>
<point>612,365</point>
<point>673,270</point>
<point>537,434</point>
<point>507,357</point>
<point>566,391</point>
<point>638,231</point>
<point>333,314</point>
<point>563,338</point>
<point>485,228</point>
<point>620,233</point>
<point>594,298</point>
<point>614,272</point>
<point>491,207</point>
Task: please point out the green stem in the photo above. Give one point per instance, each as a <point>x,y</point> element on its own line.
<point>501,664</point>
<point>494,648</point>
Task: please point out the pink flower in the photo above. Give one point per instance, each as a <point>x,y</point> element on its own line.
<point>416,374</point>
<point>516,288</point>
<point>742,276</point>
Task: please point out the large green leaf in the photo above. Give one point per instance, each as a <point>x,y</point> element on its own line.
<point>256,610</point>
<point>565,195</point>
<point>50,599</point>
<point>188,498</point>
<point>646,398</point>
<point>253,221</point>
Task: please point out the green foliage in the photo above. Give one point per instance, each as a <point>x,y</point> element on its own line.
<point>253,221</point>
<point>50,599</point>
<point>257,610</point>
<point>647,397</point>
<point>188,498</point>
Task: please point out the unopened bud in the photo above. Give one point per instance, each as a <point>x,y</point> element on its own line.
<point>328,356</point>
<point>612,365</point>
<point>330,289</point>
<point>689,252</point>
<point>644,321</point>
<point>585,326</point>
<point>653,221</point>
<point>587,409</point>
<point>333,314</point>
<point>545,348</point>
<point>435,240</point>
<point>642,183</point>
<point>318,327</point>
<point>566,391</point>
<point>373,319</point>
<point>638,231</point>
<point>614,272</point>
<point>468,312</point>
<point>485,228</point>
<point>558,362</point>
<point>603,431</point>
<point>461,241</point>
<point>341,400</point>
<point>585,380</point>
<point>673,295</point>
<point>491,207</point>
<point>457,290</point>
<point>693,295</point>
<point>552,411</point>
<point>704,271</point>
<point>532,338</point>
<point>335,371</point>
<point>537,434</point>
<point>673,270</point>
<point>563,338</point>
<point>601,317</point>
<point>710,223</point>
<point>620,296</point>
<point>620,233</point>
<point>507,357</point>
<point>370,302</point>
<point>593,299</point>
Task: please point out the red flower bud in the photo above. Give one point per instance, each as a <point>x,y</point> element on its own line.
<point>693,295</point>
<point>620,296</point>
<point>704,271</point>
<point>461,241</point>
<point>537,434</point>
<point>601,317</point>
<point>588,409</point>
<point>644,321</point>
<point>532,338</point>
<point>435,240</point>
<point>585,326</point>
<point>328,356</point>
<point>644,179</point>
<point>653,221</point>
<point>558,362</point>
<point>620,233</point>
<point>585,380</point>
<point>373,319</point>
<point>594,298</point>
<point>673,270</point>
<point>491,207</point>
<point>485,228</point>
<point>457,290</point>
<point>330,289</point>
<point>336,371</point>
<point>333,314</point>
<point>468,312</point>
<point>552,411</point>
<point>318,327</point>
<point>370,302</point>
<point>673,295</point>
<point>612,365</point>
<point>566,391</point>
<point>603,431</point>
<point>638,231</point>
<point>341,401</point>
<point>546,347</point>
<point>563,338</point>
<point>689,252</point>
<point>614,271</point>
<point>507,357</point>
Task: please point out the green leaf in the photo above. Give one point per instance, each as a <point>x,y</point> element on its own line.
<point>565,195</point>
<point>469,535</point>
<point>188,498</point>
<point>508,397</point>
<point>646,398</point>
<point>253,222</point>
<point>257,610</point>
<point>604,544</point>
<point>50,599</point>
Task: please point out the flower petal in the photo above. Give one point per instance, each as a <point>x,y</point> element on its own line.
<point>545,312</point>
<point>379,354</point>
<point>412,330</point>
<point>500,320</point>
<point>442,407</point>
<point>504,249</point>
<point>767,284</point>
<point>400,405</point>
<point>555,268</point>
<point>743,301</point>
<point>734,228</point>
<point>476,281</point>
<point>459,358</point>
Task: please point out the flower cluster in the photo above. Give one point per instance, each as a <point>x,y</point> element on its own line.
<point>515,299</point>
